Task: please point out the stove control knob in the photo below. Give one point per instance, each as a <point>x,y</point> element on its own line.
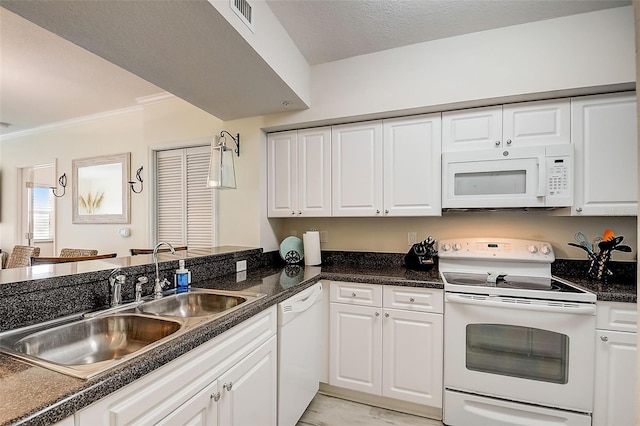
<point>445,247</point>
<point>545,250</point>
<point>457,247</point>
<point>533,249</point>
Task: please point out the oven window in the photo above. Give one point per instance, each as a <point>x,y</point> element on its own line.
<point>508,350</point>
<point>491,183</point>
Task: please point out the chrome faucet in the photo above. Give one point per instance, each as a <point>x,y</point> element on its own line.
<point>116,280</point>
<point>157,288</point>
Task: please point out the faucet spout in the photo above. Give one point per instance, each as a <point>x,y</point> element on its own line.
<point>157,288</point>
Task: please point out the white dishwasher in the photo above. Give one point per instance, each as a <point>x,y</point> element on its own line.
<point>299,334</point>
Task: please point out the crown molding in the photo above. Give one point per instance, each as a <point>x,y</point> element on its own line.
<point>158,97</point>
<point>71,122</point>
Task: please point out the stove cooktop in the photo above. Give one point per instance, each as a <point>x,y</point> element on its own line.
<point>544,288</point>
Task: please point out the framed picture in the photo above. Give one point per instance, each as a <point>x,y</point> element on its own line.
<point>100,189</point>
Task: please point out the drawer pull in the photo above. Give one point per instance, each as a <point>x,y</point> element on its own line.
<point>411,299</point>
<point>353,294</point>
<point>604,338</point>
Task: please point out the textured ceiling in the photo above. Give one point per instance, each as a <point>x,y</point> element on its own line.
<point>329,30</point>
<point>155,46</point>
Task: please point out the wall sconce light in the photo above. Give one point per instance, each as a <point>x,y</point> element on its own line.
<point>62,180</point>
<point>139,179</point>
<point>222,173</point>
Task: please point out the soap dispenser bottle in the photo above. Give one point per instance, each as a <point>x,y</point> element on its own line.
<point>183,278</point>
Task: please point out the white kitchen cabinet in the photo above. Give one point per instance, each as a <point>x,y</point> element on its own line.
<point>387,343</point>
<point>512,125</point>
<point>412,167</point>
<point>356,169</point>
<point>249,389</point>
<point>605,134</point>
<point>355,360</point>
<point>387,168</point>
<point>615,399</point>
<point>412,358</point>
<point>299,173</point>
<point>191,389</point>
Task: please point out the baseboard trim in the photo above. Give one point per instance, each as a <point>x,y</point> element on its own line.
<point>382,402</point>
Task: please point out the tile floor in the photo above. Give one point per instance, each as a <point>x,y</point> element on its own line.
<point>329,411</point>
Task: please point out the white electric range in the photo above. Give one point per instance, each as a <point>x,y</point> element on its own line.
<point>519,343</point>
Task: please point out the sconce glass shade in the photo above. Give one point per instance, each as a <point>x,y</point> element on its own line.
<point>222,173</point>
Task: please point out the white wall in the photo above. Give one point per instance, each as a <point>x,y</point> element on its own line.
<point>168,124</point>
<point>563,55</point>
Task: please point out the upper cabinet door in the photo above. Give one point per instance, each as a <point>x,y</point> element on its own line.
<point>356,169</point>
<point>314,172</point>
<point>536,123</point>
<point>470,129</point>
<point>412,148</point>
<point>604,131</point>
<point>282,179</point>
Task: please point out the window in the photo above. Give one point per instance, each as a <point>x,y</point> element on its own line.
<point>185,206</point>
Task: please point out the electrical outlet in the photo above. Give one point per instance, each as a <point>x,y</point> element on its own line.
<point>241,265</point>
<point>412,237</point>
<point>324,236</point>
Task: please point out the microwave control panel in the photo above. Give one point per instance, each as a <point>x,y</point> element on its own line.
<point>559,179</point>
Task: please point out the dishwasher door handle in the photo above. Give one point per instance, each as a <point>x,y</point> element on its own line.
<point>304,304</point>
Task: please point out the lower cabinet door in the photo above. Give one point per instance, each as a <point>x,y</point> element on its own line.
<point>200,410</point>
<point>248,389</point>
<point>616,371</point>
<point>355,358</point>
<point>412,357</point>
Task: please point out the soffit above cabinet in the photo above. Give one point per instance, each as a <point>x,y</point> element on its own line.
<point>186,48</point>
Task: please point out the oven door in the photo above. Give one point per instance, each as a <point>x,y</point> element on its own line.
<point>494,178</point>
<point>521,350</point>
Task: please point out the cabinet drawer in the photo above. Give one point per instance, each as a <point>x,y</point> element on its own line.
<point>414,299</point>
<point>356,294</point>
<point>617,316</point>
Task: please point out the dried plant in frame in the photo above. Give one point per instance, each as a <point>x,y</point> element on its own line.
<point>100,191</point>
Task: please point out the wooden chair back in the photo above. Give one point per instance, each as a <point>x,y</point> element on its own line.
<point>135,252</point>
<point>47,260</point>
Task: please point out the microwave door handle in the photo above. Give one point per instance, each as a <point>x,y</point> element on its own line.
<point>542,177</point>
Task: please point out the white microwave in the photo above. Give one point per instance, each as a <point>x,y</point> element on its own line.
<point>534,176</point>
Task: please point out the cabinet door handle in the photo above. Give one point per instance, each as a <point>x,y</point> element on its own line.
<point>228,386</point>
<point>377,211</point>
<point>579,209</point>
<point>299,212</point>
<point>377,314</point>
<point>293,212</point>
<point>508,141</point>
<point>604,338</point>
<point>497,143</point>
<point>386,212</point>
<point>386,315</point>
<point>215,396</point>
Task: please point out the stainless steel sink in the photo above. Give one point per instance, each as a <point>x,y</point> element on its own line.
<point>96,339</point>
<point>85,345</point>
<point>192,304</point>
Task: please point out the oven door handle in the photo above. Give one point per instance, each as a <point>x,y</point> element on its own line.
<point>589,309</point>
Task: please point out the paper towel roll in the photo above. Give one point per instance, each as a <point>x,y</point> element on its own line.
<point>311,243</point>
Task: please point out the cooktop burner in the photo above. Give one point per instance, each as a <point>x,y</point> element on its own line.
<point>514,282</point>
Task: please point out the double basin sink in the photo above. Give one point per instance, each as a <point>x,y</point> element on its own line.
<point>85,345</point>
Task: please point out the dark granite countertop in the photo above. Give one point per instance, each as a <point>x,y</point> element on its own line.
<point>35,395</point>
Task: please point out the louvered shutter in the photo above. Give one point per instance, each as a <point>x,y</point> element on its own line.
<point>199,199</point>
<point>185,204</point>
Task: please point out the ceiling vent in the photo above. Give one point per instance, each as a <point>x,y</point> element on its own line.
<point>243,9</point>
